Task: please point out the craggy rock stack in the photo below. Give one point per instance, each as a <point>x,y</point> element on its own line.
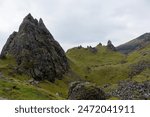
<point>36,51</point>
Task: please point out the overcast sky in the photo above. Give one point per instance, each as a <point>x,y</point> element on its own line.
<point>79,22</point>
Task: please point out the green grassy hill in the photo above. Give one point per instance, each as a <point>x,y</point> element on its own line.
<point>102,67</point>
<point>107,68</point>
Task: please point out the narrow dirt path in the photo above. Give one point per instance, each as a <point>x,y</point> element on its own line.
<point>1,98</point>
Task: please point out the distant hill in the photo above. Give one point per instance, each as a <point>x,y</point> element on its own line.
<point>135,44</point>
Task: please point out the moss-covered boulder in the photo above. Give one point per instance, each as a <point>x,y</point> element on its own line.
<point>85,91</point>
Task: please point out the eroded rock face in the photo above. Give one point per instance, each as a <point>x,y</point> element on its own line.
<point>36,51</point>
<point>85,91</point>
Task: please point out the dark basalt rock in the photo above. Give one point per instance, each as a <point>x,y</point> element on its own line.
<point>85,91</point>
<point>111,46</point>
<point>35,50</point>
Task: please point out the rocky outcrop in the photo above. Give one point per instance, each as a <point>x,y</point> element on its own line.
<point>131,90</point>
<point>100,44</point>
<point>138,67</point>
<point>92,49</point>
<point>36,52</point>
<point>110,46</point>
<point>85,91</point>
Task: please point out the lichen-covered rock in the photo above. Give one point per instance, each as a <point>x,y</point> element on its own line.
<point>35,50</point>
<point>85,91</point>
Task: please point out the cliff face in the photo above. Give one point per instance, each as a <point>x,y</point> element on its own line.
<point>36,52</point>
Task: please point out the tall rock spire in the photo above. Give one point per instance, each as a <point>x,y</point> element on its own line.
<point>36,52</point>
<point>110,46</point>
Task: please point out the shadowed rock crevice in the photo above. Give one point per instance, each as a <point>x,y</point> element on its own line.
<point>36,52</point>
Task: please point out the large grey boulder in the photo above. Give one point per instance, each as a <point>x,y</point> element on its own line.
<point>36,52</point>
<point>85,91</point>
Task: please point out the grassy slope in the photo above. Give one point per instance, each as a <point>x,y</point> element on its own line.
<point>23,89</point>
<point>106,66</point>
<point>135,57</point>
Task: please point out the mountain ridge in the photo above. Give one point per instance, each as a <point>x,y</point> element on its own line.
<point>134,44</point>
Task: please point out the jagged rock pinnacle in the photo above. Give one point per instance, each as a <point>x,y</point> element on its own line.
<point>36,52</point>
<point>29,17</point>
<point>41,22</point>
<point>110,46</point>
<point>42,26</point>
